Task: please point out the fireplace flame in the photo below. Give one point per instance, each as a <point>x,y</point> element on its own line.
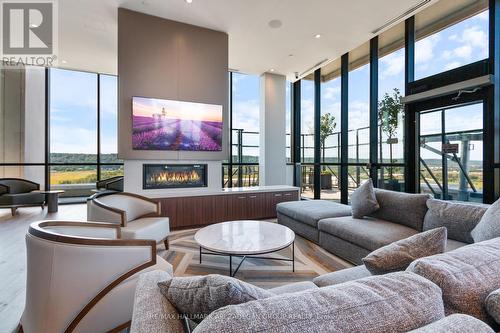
<point>169,177</point>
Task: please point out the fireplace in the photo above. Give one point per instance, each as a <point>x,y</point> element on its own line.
<point>161,176</point>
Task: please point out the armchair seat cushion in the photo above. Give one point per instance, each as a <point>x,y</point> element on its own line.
<point>22,199</point>
<point>156,228</point>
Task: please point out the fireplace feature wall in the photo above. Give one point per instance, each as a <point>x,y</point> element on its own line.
<point>164,176</point>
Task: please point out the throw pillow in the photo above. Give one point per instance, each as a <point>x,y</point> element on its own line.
<point>399,255</point>
<point>489,226</point>
<point>363,200</point>
<point>466,276</point>
<point>458,218</point>
<point>198,296</point>
<point>493,305</point>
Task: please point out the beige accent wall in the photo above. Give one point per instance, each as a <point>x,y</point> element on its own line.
<point>159,58</point>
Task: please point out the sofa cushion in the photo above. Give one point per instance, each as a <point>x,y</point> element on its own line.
<point>402,208</point>
<point>457,323</point>
<point>341,276</point>
<point>147,228</point>
<point>466,276</point>
<point>493,305</point>
<point>395,302</point>
<point>22,199</point>
<point>369,233</point>
<point>453,245</point>
<point>489,226</point>
<point>399,255</point>
<point>153,312</point>
<point>363,200</point>
<point>311,211</point>
<point>459,218</point>
<point>198,296</point>
<point>293,287</point>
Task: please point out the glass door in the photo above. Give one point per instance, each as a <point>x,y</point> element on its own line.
<point>451,152</point>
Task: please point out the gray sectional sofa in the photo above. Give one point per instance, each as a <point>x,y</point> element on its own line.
<point>400,215</point>
<point>456,291</point>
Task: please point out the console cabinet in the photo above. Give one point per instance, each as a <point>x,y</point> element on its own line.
<point>196,211</point>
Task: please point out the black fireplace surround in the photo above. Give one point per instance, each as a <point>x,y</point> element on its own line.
<point>164,176</point>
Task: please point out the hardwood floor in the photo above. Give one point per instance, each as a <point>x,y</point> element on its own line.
<point>311,260</point>
<point>13,256</point>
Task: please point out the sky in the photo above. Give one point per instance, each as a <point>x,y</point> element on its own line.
<point>73,95</point>
<point>73,112</point>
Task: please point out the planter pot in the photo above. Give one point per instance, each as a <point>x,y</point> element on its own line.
<point>392,185</point>
<point>326,182</point>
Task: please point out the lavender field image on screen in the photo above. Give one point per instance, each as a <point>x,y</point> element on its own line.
<point>159,124</point>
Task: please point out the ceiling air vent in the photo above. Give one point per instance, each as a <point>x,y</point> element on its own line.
<point>402,16</point>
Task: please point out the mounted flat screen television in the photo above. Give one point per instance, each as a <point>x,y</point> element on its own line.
<point>160,124</point>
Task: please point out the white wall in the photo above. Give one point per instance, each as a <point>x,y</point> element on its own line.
<point>272,159</point>
<point>133,179</point>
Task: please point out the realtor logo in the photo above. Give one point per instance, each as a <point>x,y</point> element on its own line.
<point>28,32</point>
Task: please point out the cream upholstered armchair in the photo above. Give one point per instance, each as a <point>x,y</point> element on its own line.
<point>138,216</point>
<point>81,277</point>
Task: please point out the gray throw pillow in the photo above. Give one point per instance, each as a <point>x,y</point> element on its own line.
<point>198,296</point>
<point>363,200</point>
<point>399,255</point>
<point>459,218</point>
<point>489,226</point>
<point>493,305</point>
<point>466,276</point>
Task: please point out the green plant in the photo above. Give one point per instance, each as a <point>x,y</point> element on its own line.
<point>326,128</point>
<point>388,113</point>
<point>389,109</point>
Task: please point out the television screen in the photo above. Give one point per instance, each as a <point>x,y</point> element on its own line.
<point>159,124</point>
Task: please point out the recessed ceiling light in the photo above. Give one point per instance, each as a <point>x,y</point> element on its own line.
<point>275,24</point>
<point>64,61</point>
<point>271,70</point>
<point>189,1</point>
<point>317,36</point>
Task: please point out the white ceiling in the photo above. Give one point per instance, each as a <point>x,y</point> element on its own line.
<point>88,29</point>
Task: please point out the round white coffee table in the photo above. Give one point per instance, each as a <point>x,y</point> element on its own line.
<point>245,239</point>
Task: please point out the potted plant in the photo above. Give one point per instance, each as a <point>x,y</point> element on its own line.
<point>327,128</point>
<point>390,108</point>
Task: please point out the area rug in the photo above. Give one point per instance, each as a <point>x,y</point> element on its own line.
<point>310,261</point>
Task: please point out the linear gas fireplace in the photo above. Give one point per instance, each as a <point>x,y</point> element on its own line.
<point>161,176</point>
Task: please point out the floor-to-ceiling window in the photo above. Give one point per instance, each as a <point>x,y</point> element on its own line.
<point>243,167</point>
<point>446,41</point>
<point>391,89</point>
<point>83,122</point>
<point>330,131</point>
<point>307,131</point>
<point>73,131</point>
<point>359,117</point>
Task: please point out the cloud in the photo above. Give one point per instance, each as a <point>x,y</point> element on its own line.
<point>424,49</point>
<point>452,65</point>
<point>246,115</point>
<point>70,139</point>
<point>472,40</point>
<point>392,64</point>
<point>331,93</point>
